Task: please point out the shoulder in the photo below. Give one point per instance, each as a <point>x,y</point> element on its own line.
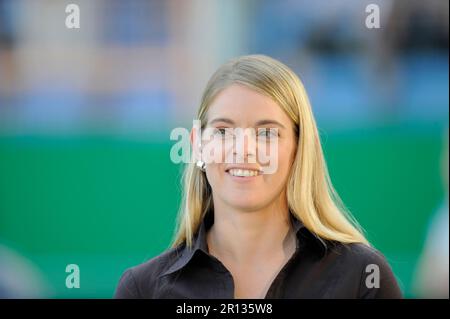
<point>358,252</point>
<point>140,281</point>
<point>377,279</point>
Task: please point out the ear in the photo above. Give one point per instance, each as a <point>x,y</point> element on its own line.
<point>195,143</point>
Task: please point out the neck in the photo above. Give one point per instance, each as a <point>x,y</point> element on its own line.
<point>250,236</point>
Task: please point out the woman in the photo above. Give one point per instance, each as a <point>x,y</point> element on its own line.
<point>246,233</point>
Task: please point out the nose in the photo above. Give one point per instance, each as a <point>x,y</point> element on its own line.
<point>245,145</point>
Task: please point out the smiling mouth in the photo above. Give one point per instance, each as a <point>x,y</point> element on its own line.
<point>243,172</point>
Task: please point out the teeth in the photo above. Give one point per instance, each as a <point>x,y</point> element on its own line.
<point>242,172</point>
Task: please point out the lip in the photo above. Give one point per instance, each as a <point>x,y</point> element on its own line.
<point>247,167</point>
<point>243,179</point>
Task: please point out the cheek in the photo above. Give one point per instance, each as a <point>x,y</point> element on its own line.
<point>215,174</point>
<point>281,173</point>
<point>286,155</point>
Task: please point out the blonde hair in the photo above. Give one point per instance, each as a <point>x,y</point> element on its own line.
<point>310,195</point>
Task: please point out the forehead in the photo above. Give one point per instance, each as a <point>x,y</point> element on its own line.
<point>242,104</point>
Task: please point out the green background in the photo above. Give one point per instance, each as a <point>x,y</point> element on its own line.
<point>107,202</point>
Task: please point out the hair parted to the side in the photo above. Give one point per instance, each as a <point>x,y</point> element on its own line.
<point>310,194</point>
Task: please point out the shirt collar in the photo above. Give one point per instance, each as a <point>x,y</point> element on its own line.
<point>200,244</point>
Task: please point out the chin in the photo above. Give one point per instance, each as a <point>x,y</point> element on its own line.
<point>246,203</point>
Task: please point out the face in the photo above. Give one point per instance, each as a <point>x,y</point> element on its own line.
<point>243,178</point>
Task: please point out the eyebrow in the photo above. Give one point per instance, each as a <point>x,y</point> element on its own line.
<point>259,123</point>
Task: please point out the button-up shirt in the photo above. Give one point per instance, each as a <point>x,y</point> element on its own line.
<point>317,269</point>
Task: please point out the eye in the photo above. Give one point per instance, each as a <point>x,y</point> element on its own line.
<point>219,131</point>
<point>268,132</point>
<point>223,132</point>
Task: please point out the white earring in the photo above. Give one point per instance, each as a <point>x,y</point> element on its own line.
<point>200,164</point>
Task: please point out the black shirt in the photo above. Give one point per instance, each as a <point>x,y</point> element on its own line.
<point>317,269</point>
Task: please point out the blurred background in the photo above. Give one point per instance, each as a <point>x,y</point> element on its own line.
<point>85,118</point>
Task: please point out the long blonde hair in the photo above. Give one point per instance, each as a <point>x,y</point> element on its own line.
<point>310,195</point>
